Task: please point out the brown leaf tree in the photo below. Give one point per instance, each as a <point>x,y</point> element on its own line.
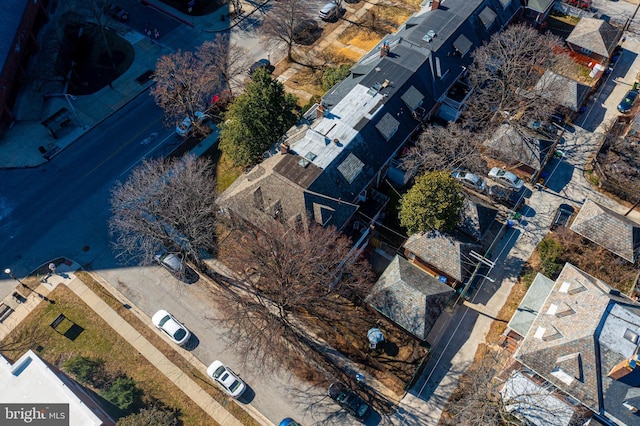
<point>286,283</point>
<point>165,205</point>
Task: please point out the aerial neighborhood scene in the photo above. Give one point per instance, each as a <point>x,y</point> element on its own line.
<point>320,212</point>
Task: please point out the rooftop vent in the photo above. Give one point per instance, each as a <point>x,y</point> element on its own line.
<point>430,35</point>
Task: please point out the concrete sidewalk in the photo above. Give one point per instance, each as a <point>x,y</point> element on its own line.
<point>27,143</point>
<point>65,276</point>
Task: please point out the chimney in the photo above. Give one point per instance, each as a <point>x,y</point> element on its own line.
<point>336,141</point>
<point>623,368</point>
<point>435,4</point>
<point>320,111</point>
<point>284,148</point>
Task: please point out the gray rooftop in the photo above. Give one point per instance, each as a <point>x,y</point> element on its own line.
<point>409,297</point>
<point>514,146</point>
<point>578,337</point>
<point>595,35</point>
<point>618,234</point>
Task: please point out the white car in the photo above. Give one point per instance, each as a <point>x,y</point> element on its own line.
<point>185,127</point>
<point>506,178</point>
<point>173,328</point>
<point>470,180</point>
<point>227,379</point>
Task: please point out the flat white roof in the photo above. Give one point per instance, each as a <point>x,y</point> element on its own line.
<point>339,123</point>
<point>30,381</point>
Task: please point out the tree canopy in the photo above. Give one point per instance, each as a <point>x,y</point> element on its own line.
<point>165,205</point>
<point>256,119</point>
<point>506,75</point>
<point>291,280</point>
<point>281,24</point>
<point>434,202</point>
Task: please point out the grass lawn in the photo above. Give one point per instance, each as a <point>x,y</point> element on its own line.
<point>99,340</point>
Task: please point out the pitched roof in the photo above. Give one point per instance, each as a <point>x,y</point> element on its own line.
<point>516,146</point>
<point>529,307</point>
<point>539,6</point>
<point>578,337</point>
<point>572,94</point>
<point>595,35</point>
<point>448,253</point>
<point>534,403</point>
<point>409,297</point>
<point>477,218</point>
<point>618,234</point>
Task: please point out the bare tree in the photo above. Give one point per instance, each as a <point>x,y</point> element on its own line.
<point>184,84</point>
<point>287,280</point>
<point>506,76</point>
<point>281,22</point>
<point>167,205</point>
<point>226,59</point>
<point>483,399</point>
<point>445,148</point>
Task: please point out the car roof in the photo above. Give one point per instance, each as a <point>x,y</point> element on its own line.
<point>327,7</point>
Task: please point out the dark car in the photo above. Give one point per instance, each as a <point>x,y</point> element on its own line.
<point>261,63</point>
<point>349,400</point>
<point>628,101</point>
<point>116,12</point>
<point>305,32</point>
<point>563,216</point>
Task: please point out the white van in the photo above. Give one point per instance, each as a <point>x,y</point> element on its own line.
<point>329,12</point>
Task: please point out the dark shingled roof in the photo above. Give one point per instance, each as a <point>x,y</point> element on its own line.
<point>448,253</point>
<point>608,229</point>
<point>595,35</point>
<point>409,297</point>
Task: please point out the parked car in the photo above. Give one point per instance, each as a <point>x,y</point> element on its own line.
<point>173,328</point>
<point>627,102</point>
<point>116,12</point>
<point>563,216</point>
<point>329,12</point>
<point>305,31</point>
<point>186,126</point>
<point>288,422</point>
<point>506,178</point>
<point>226,378</point>
<point>470,180</point>
<point>177,266</point>
<point>349,400</point>
<point>261,63</point>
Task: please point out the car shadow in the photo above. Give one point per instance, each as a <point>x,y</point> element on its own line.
<point>192,343</point>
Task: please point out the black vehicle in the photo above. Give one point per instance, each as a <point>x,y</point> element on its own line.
<point>261,63</point>
<point>563,216</point>
<point>116,12</point>
<point>350,401</point>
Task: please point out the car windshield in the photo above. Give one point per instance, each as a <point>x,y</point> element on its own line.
<point>235,385</point>
<point>179,334</point>
<point>163,320</point>
<point>362,409</point>
<point>219,371</point>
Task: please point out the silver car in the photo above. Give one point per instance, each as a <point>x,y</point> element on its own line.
<point>174,329</point>
<point>506,178</point>
<point>470,180</point>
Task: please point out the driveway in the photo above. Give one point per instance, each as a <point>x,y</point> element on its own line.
<point>459,331</point>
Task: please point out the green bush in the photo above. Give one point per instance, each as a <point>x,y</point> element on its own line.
<point>123,393</point>
<point>550,252</point>
<point>331,76</point>
<point>88,371</point>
